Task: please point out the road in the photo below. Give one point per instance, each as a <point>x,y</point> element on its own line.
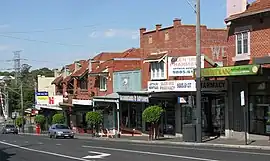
<point>33,148</point>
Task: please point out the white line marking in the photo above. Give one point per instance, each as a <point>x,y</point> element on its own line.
<point>150,153</point>
<point>100,155</point>
<point>58,144</point>
<point>26,141</point>
<point>206,149</point>
<point>43,152</point>
<point>40,143</point>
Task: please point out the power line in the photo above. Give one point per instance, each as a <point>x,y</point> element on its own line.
<point>51,30</point>
<point>40,41</point>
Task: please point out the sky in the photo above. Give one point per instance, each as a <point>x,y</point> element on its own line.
<point>53,33</point>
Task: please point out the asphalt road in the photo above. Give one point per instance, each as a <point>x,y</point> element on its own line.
<point>33,148</point>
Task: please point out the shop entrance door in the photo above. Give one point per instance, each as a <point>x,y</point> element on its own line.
<point>213,114</point>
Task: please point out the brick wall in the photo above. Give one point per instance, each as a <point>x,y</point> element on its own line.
<point>180,39</point>
<point>259,37</point>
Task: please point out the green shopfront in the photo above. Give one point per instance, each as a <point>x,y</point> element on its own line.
<point>251,111</point>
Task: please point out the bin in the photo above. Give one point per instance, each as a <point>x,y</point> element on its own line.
<point>189,133</point>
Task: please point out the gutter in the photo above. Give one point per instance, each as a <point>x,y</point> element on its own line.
<point>247,14</point>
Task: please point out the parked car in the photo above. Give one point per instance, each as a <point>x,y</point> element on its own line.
<point>9,129</point>
<point>60,130</point>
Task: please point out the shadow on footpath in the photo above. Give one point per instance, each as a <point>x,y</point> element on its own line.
<point>5,156</point>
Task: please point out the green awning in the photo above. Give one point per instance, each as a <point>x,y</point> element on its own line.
<point>230,71</point>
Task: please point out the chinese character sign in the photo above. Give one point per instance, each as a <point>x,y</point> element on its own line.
<point>183,66</point>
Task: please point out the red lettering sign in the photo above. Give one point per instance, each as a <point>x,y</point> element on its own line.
<point>51,100</point>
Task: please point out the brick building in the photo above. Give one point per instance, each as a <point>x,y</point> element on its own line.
<point>167,71</point>
<point>248,50</point>
<point>83,80</point>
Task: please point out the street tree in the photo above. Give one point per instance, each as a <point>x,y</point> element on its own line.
<point>152,115</point>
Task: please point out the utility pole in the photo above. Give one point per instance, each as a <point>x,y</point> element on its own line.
<point>17,64</point>
<point>198,75</point>
<point>22,106</point>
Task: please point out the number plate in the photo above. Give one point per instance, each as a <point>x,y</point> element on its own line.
<point>66,135</point>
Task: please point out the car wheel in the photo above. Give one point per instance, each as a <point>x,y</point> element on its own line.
<point>55,136</point>
<point>72,137</point>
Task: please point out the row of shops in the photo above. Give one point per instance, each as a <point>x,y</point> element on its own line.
<point>228,93</point>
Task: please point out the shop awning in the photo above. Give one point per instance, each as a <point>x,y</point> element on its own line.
<point>155,57</point>
<point>240,70</point>
<point>39,107</point>
<point>113,97</point>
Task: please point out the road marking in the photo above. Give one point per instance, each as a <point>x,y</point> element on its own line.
<point>43,152</point>
<point>40,143</point>
<point>206,149</point>
<point>58,144</point>
<point>98,156</point>
<point>14,141</point>
<point>26,142</point>
<point>150,153</point>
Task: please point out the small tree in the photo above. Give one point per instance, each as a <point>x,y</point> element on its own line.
<point>40,120</point>
<point>152,115</point>
<point>58,119</point>
<point>94,119</point>
<point>20,121</point>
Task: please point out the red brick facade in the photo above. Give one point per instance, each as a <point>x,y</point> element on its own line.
<point>180,40</point>
<point>259,27</point>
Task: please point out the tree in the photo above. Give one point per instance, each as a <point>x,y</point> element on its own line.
<point>40,119</point>
<point>29,79</point>
<point>94,119</point>
<point>152,115</point>
<point>58,119</point>
<point>20,121</point>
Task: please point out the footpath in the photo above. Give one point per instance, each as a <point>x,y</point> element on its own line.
<point>215,142</point>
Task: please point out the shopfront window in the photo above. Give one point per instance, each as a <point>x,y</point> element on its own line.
<point>259,108</point>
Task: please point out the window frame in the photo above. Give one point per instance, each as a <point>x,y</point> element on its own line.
<point>242,43</point>
<point>156,70</point>
<point>102,80</point>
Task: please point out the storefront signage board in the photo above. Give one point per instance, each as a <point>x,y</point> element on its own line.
<point>230,71</point>
<point>134,98</point>
<point>183,66</point>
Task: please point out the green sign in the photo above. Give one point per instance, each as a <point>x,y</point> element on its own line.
<point>230,71</point>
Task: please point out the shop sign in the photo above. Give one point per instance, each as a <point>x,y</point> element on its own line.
<point>214,85</point>
<point>81,102</point>
<point>134,98</point>
<point>183,66</point>
<point>42,98</point>
<point>174,85</point>
<point>230,71</point>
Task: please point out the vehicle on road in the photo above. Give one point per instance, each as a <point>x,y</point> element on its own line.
<point>60,130</point>
<point>9,129</point>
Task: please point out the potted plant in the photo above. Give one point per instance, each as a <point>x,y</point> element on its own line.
<point>94,119</point>
<point>58,119</point>
<point>152,115</point>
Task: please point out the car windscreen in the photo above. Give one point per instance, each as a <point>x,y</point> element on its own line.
<point>10,126</point>
<point>61,127</point>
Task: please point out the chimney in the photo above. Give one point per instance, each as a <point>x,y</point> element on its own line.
<point>142,30</point>
<point>89,65</point>
<point>158,26</point>
<point>176,22</point>
<point>77,65</point>
<point>236,7</point>
<point>56,73</point>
